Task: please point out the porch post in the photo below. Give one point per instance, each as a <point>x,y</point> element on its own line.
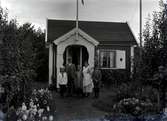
<point>91,52</point>
<point>67,55</point>
<point>54,63</point>
<point>59,62</point>
<point>50,63</point>
<point>80,56</point>
<point>132,59</point>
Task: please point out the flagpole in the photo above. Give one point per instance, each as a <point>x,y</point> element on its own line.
<point>77,18</point>
<point>77,9</point>
<point>140,23</point>
<point>140,28</point>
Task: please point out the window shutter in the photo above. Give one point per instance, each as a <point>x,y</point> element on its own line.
<point>120,59</point>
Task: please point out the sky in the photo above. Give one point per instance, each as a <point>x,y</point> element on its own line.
<point>37,11</point>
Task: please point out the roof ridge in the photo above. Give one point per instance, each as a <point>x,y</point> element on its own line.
<point>89,21</point>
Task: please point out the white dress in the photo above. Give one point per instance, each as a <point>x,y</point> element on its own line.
<point>87,80</point>
<point>62,79</point>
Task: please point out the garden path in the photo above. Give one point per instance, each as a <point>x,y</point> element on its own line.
<point>72,108</point>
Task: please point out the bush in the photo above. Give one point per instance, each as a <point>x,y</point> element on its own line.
<point>133,106</point>
<point>41,97</point>
<point>132,98</point>
<point>15,90</point>
<point>132,89</point>
<point>37,108</point>
<point>128,98</point>
<point>114,77</point>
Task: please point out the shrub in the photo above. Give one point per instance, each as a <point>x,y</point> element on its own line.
<point>114,77</point>
<point>15,90</point>
<point>37,108</point>
<point>133,106</point>
<point>132,89</point>
<point>122,99</point>
<point>41,97</point>
<point>132,98</point>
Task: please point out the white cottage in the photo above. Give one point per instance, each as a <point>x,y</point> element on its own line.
<point>110,44</point>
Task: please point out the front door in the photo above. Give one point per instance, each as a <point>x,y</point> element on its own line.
<point>78,54</point>
<point>74,53</point>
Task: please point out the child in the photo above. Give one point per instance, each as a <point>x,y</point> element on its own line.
<point>96,81</point>
<point>62,81</point>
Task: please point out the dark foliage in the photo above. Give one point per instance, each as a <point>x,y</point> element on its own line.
<point>24,58</point>
<point>154,52</point>
<point>114,77</point>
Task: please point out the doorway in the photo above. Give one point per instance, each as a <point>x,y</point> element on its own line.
<point>77,53</point>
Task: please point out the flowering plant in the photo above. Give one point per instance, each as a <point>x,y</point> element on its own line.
<point>37,108</point>
<point>33,113</point>
<point>41,97</point>
<point>132,106</point>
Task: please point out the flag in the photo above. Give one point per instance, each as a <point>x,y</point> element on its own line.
<point>82,2</point>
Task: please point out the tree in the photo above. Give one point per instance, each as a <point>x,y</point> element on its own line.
<point>155,41</point>
<point>41,59</point>
<point>155,49</point>
<point>18,56</point>
<point>3,22</point>
<point>163,33</point>
<point>24,55</point>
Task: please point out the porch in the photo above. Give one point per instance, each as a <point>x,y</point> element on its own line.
<point>79,47</point>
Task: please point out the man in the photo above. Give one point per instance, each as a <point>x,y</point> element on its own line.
<point>97,76</point>
<point>71,75</point>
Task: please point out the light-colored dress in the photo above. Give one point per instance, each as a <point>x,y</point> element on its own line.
<point>62,79</point>
<point>87,80</point>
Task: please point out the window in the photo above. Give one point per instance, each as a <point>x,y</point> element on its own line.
<point>107,59</point>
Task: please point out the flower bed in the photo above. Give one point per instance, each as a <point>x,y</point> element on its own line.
<point>133,106</point>
<point>37,108</point>
<point>128,98</point>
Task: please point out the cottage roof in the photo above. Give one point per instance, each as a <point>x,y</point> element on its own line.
<point>104,32</point>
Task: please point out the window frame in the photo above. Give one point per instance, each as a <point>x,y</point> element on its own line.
<point>114,58</point>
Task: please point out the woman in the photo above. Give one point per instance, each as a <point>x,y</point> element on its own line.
<point>87,80</point>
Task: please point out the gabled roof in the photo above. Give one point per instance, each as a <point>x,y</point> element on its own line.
<point>104,32</point>
<point>73,32</point>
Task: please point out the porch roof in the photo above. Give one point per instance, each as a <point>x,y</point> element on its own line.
<point>104,32</point>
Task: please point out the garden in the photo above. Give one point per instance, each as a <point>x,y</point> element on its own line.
<point>25,63</point>
<point>142,93</point>
<point>24,102</point>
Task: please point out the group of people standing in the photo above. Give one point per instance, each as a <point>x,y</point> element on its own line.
<point>81,81</point>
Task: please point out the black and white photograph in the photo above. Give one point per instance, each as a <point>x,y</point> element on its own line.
<point>83,60</point>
